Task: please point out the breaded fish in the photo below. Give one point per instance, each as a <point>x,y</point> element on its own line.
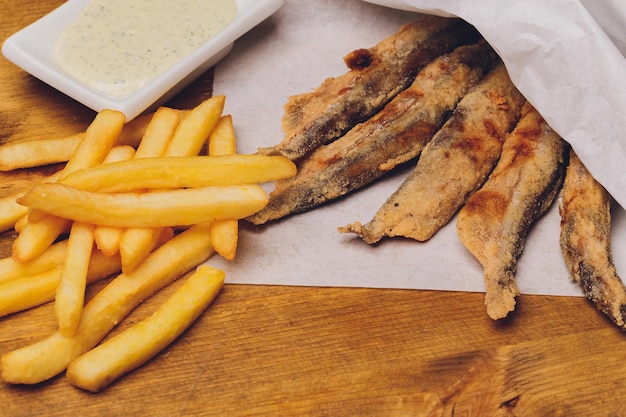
<point>453,164</point>
<point>395,135</point>
<point>376,76</point>
<point>494,222</point>
<point>584,206</point>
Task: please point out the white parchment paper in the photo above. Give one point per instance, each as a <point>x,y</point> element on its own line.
<point>293,52</point>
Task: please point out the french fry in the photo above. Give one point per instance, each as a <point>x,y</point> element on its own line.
<point>158,133</point>
<point>50,356</point>
<point>37,236</point>
<point>188,138</point>
<point>11,211</point>
<point>194,129</point>
<point>119,153</point>
<point>101,135</point>
<point>108,238</point>
<point>70,294</point>
<point>128,202</point>
<point>104,364</point>
<point>34,153</point>
<point>167,233</point>
<point>225,233</point>
<point>225,236</point>
<point>154,143</point>
<point>134,130</point>
<point>136,243</point>
<point>30,291</point>
<point>181,172</point>
<point>154,209</point>
<point>52,258</point>
<point>97,143</point>
<point>222,138</point>
<point>20,223</point>
<point>98,140</point>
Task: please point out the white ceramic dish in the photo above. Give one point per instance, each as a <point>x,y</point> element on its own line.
<point>32,50</point>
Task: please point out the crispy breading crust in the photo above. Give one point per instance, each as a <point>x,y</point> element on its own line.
<point>585,209</point>
<point>395,135</point>
<point>453,164</point>
<point>494,222</point>
<point>376,76</point>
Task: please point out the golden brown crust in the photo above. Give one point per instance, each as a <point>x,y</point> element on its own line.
<point>494,222</point>
<point>395,135</point>
<point>452,166</point>
<point>377,75</point>
<point>586,241</point>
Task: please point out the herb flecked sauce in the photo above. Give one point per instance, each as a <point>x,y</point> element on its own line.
<point>118,46</point>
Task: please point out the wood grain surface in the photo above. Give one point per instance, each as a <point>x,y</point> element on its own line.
<point>269,351</point>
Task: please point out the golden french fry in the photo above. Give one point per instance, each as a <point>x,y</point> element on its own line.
<point>20,223</point>
<point>225,236</point>
<point>30,291</point>
<point>34,216</point>
<point>133,247</point>
<point>167,234</point>
<point>154,209</point>
<point>108,238</point>
<point>181,172</point>
<point>134,130</point>
<point>222,138</point>
<point>70,295</point>
<point>154,143</point>
<point>39,152</point>
<point>104,364</point>
<point>52,258</point>
<point>101,135</point>
<point>32,153</point>
<point>136,244</point>
<point>37,236</point>
<point>187,139</point>
<point>225,233</point>
<point>119,153</point>
<point>158,133</point>
<point>11,211</point>
<point>193,131</point>
<point>98,140</point>
<point>50,356</point>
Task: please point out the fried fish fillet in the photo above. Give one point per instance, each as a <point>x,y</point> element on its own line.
<point>453,164</point>
<point>376,76</point>
<point>584,206</point>
<point>395,135</point>
<point>494,222</point>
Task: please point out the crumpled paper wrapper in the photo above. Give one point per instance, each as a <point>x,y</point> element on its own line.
<point>304,42</point>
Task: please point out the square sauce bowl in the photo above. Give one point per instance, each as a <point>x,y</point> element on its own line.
<point>32,49</point>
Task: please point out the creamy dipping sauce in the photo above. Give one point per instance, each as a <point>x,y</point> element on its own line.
<point>118,46</point>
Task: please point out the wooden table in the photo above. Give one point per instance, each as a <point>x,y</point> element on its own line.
<point>263,350</point>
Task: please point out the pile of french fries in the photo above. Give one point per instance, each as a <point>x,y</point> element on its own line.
<point>146,202</point>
